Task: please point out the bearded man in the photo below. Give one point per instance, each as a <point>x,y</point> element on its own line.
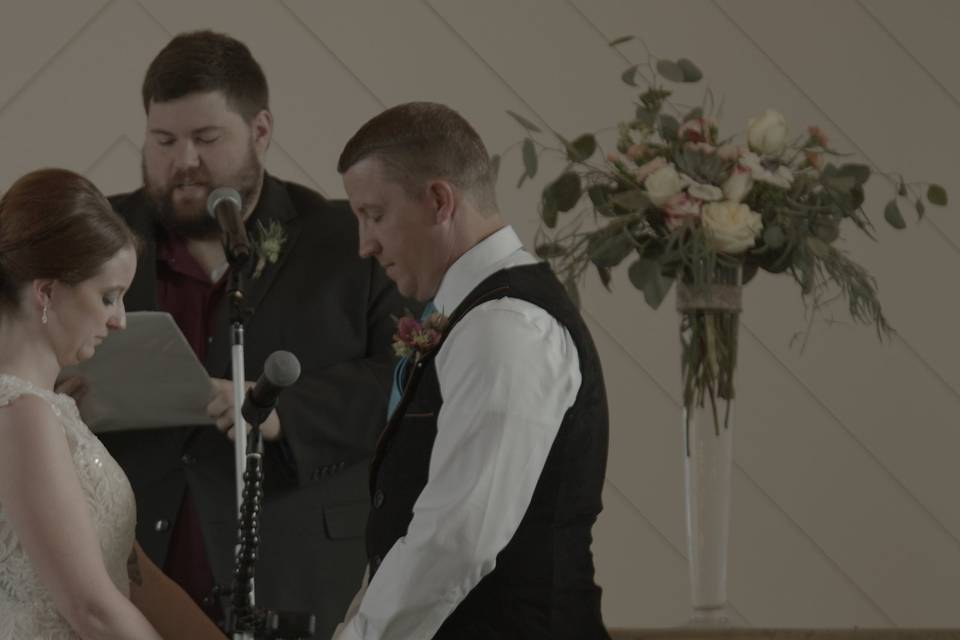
<point>209,126</point>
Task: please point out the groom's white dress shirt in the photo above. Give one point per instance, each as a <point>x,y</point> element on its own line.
<point>508,372</point>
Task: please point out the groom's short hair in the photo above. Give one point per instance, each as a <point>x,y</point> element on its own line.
<point>422,141</point>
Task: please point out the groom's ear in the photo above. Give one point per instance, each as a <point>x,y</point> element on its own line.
<point>443,199</point>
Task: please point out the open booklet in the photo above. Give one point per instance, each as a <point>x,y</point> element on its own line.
<point>144,377</point>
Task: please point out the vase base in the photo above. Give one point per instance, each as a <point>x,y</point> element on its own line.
<point>709,618</point>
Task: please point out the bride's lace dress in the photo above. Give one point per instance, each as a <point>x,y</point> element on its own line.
<point>26,609</point>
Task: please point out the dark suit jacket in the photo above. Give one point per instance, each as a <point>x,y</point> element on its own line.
<point>333,311</point>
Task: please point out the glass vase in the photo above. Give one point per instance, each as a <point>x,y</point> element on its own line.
<point>709,325</point>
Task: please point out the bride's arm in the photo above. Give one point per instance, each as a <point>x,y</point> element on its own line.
<point>43,502</point>
<point>165,604</point>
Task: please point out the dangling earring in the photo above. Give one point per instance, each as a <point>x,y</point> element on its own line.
<point>43,316</point>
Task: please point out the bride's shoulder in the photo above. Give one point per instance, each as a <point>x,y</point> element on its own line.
<point>23,406</point>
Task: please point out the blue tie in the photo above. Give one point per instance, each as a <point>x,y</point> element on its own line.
<point>400,369</point>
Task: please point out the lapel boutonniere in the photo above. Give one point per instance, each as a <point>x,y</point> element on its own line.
<point>415,338</point>
<point>268,242</point>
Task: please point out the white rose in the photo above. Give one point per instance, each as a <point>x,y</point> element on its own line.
<point>730,227</point>
<point>768,133</point>
<point>738,185</point>
<point>662,183</point>
<point>649,167</point>
<point>730,151</point>
<point>706,192</point>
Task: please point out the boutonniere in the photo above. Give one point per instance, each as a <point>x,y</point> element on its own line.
<point>415,338</point>
<point>268,242</point>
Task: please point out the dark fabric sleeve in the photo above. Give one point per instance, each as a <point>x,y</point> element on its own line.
<point>332,419</point>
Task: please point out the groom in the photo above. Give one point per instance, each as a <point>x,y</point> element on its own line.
<point>487,479</point>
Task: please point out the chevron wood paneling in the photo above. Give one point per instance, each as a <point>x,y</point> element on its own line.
<point>844,511</point>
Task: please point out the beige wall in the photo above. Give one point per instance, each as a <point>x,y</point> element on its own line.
<point>845,506</point>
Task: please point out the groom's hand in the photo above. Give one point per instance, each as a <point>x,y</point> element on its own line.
<point>220,411</point>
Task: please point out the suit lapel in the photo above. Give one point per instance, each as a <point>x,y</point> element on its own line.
<point>274,208</point>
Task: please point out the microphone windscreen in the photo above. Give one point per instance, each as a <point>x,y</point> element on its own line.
<point>223,194</point>
<point>281,368</point>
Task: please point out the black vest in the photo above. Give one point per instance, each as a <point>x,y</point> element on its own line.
<point>542,586</point>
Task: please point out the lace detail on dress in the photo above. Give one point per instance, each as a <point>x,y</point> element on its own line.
<point>26,609</point>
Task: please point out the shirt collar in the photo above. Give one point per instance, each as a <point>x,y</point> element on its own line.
<point>474,266</point>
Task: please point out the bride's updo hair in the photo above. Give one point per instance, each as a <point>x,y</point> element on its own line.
<point>55,224</point>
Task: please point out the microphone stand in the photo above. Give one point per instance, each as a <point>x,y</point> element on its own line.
<point>244,618</point>
<point>246,622</point>
<point>238,312</point>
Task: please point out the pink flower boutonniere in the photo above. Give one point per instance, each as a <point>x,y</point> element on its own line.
<point>415,338</point>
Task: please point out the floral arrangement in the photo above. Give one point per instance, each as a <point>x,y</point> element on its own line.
<point>415,339</point>
<point>687,205</point>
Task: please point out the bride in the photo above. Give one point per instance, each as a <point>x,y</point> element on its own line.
<point>69,566</point>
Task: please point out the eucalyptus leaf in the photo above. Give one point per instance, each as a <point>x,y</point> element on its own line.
<point>621,40</point>
<point>937,195</point>
<point>526,124</point>
<point>670,70</point>
<point>859,172</point>
<point>599,195</point>
<point>605,277</point>
<point>645,275</point>
<point>749,271</point>
<point>839,183</point>
<point>634,200</point>
<point>582,148</point>
<point>669,127</point>
<point>629,75</point>
<point>774,237</point>
<point>529,158</point>
<point>609,250</point>
<point>691,73</point>
<point>565,191</point>
<point>893,216</point>
<point>646,117</point>
<point>548,210</point>
<point>600,198</point>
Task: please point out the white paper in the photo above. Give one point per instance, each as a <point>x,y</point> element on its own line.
<point>144,377</point>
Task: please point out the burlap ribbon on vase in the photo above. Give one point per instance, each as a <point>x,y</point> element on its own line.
<point>709,297</point>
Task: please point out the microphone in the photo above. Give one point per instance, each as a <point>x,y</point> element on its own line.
<point>224,206</point>
<point>280,371</point>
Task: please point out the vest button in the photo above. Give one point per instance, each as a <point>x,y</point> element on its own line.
<point>161,525</point>
<point>378,499</point>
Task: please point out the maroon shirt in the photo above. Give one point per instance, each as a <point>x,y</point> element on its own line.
<point>186,293</point>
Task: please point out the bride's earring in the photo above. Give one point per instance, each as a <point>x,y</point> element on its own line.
<point>43,316</point>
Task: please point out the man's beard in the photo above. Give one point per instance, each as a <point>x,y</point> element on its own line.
<point>192,220</point>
